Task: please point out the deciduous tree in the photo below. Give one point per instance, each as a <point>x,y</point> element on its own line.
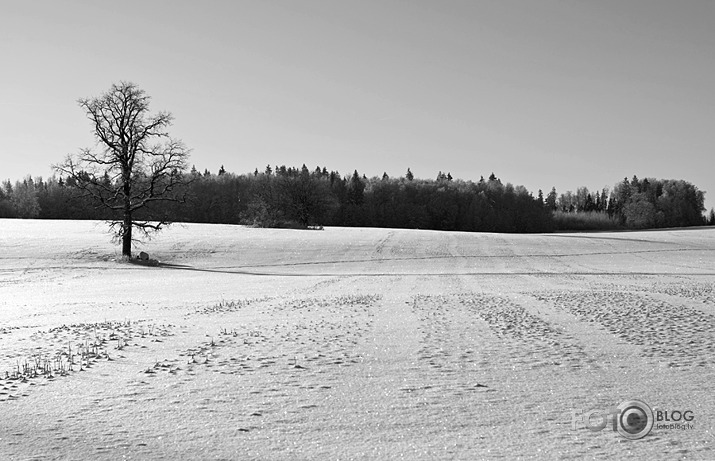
<point>134,164</point>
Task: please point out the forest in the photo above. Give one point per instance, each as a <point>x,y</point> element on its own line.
<point>304,198</point>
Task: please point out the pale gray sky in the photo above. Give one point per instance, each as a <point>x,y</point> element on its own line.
<point>543,93</point>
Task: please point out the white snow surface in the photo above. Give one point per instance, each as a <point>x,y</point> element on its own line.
<point>351,343</point>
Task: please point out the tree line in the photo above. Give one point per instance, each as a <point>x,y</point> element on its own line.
<point>298,197</point>
<point>287,196</point>
<point>283,196</point>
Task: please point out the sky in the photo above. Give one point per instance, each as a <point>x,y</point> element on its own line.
<point>548,93</point>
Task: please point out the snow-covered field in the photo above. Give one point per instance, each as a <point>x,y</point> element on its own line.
<point>351,343</point>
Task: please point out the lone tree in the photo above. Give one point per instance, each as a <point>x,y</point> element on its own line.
<point>134,165</point>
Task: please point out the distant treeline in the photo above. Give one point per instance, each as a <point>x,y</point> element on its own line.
<point>300,197</point>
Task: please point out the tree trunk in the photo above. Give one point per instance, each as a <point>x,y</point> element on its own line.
<point>127,235</point>
<point>127,224</point>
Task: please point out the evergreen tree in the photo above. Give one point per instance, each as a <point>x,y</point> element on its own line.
<point>356,189</point>
<point>589,205</point>
<point>334,176</point>
<point>635,184</point>
<point>551,199</point>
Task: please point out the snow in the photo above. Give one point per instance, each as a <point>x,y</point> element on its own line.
<point>351,343</point>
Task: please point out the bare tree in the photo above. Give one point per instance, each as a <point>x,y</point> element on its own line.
<point>134,165</point>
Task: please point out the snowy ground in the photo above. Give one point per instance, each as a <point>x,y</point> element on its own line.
<point>351,343</point>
